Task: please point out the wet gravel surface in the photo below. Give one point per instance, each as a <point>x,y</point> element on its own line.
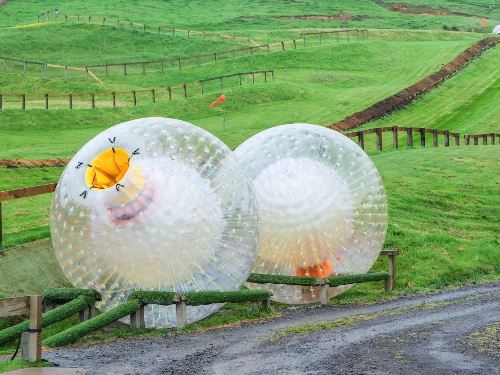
<point>412,335</point>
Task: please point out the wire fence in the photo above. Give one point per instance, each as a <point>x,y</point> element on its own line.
<point>52,70</point>
<point>48,101</point>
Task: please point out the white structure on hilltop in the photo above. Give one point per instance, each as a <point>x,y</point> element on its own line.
<point>496,30</point>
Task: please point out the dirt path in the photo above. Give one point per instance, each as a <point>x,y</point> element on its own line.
<point>412,335</point>
<point>410,93</point>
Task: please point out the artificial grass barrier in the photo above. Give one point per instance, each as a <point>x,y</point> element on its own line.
<point>74,333</point>
<point>261,278</point>
<point>207,298</point>
<point>69,294</point>
<point>50,317</point>
<point>153,297</point>
<point>359,278</point>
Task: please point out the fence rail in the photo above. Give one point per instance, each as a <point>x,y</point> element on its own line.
<point>178,62</point>
<point>121,98</point>
<point>158,29</point>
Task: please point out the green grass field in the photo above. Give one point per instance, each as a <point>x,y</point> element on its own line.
<point>443,203</point>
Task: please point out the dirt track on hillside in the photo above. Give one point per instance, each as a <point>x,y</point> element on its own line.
<point>412,335</point>
<point>405,96</point>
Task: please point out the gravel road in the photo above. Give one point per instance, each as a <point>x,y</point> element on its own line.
<point>453,332</point>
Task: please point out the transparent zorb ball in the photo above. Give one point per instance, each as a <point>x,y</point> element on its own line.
<point>322,206</point>
<point>155,204</point>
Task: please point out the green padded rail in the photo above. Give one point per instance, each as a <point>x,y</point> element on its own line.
<point>69,294</point>
<point>153,297</point>
<point>74,333</point>
<point>207,298</point>
<point>359,278</point>
<point>262,278</point>
<point>50,317</point>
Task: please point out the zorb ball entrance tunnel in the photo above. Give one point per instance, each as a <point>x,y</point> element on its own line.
<point>322,206</point>
<point>155,204</point>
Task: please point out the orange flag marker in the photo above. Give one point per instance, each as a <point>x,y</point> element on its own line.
<point>220,99</point>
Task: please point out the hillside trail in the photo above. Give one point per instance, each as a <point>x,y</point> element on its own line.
<point>445,333</point>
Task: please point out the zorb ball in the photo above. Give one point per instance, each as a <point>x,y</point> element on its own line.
<point>322,206</point>
<point>155,204</point>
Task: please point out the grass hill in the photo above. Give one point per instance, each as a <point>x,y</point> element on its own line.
<point>270,15</point>
<point>320,83</point>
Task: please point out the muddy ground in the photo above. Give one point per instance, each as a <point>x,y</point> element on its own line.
<point>411,335</point>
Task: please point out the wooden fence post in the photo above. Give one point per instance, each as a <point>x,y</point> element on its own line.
<point>395,142</point>
<point>390,283</point>
<point>361,139</point>
<point>409,137</point>
<point>323,294</point>
<point>92,96</point>
<point>282,45</point>
<point>294,44</point>
<point>422,137</point>
<point>125,69</point>
<point>169,93</point>
<point>107,71</point>
<point>434,138</point>
<point>202,85</point>
<point>162,65</point>
<point>134,98</point>
<point>253,77</point>
<point>467,139</point>
<point>476,140</point>
<point>446,138</point>
<point>137,319</point>
<point>32,340</point>
<point>179,59</point>
<point>46,101</point>
<point>485,139</point>
<point>70,99</point>
<point>153,95</point>
<point>1,226</point>
<point>266,303</point>
<point>492,134</point>
<point>1,107</point>
<point>378,133</point>
<point>265,77</point>
<point>239,75</point>
<point>185,90</point>
<point>23,101</point>
<point>181,312</point>
<point>114,98</point>
<point>143,68</point>
<point>457,139</point>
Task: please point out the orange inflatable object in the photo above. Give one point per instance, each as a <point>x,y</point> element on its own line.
<point>220,99</point>
<point>483,22</point>
<point>324,269</point>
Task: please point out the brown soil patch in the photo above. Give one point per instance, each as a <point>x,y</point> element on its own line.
<point>321,17</point>
<point>408,8</point>
<point>405,96</point>
<point>27,163</point>
<point>2,2</point>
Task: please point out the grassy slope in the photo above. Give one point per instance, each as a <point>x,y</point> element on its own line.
<point>227,14</point>
<point>443,207</point>
<point>468,102</point>
<point>316,85</point>
<point>80,45</point>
